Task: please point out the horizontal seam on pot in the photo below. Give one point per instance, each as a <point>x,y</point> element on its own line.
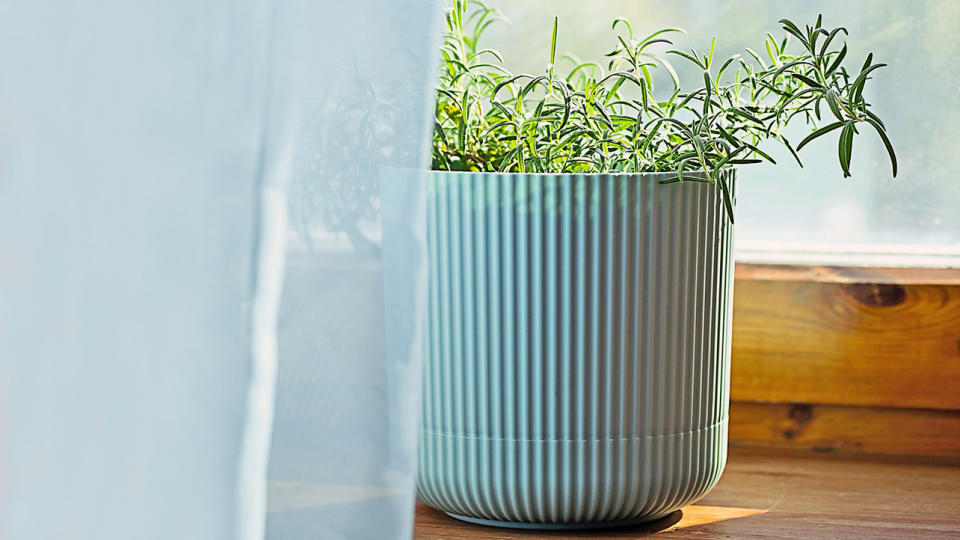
<point>592,439</point>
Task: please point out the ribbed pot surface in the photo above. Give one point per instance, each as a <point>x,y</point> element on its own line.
<point>578,346</point>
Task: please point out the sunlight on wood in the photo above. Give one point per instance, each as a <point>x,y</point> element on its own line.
<point>695,514</point>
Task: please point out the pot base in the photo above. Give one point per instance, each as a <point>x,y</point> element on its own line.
<point>557,526</point>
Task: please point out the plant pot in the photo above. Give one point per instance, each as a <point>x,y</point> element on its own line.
<point>577,347</point>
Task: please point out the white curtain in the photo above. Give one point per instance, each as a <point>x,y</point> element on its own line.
<point>210,267</point>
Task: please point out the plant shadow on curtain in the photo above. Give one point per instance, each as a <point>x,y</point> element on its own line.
<point>343,452</point>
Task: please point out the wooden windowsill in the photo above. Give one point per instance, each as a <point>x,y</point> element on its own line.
<point>767,494</point>
<point>848,274</point>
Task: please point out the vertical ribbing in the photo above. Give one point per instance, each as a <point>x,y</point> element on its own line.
<point>564,334</point>
<point>551,359</point>
<point>486,409</point>
<point>621,240</point>
<point>577,350</point>
<point>578,380</point>
<point>525,350</point>
<point>538,295</point>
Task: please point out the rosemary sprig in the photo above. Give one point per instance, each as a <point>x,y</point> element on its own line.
<point>600,119</point>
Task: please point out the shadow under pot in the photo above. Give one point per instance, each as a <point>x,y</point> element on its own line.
<point>577,347</point>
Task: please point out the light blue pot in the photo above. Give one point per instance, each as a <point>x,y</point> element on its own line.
<point>578,347</point>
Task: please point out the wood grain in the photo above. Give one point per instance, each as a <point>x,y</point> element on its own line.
<point>877,343</point>
<point>826,428</point>
<point>776,495</point>
<point>848,274</point>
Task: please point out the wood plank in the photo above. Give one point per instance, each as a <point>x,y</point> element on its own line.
<point>848,274</point>
<point>825,428</point>
<point>873,344</point>
<point>776,495</point>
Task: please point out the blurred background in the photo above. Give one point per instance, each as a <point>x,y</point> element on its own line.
<point>811,214</point>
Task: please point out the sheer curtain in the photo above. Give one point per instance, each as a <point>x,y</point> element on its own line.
<point>163,168</point>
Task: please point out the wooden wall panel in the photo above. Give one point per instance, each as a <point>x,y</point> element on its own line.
<point>826,428</point>
<point>866,337</point>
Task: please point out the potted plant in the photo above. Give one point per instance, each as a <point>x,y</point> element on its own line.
<point>580,273</point>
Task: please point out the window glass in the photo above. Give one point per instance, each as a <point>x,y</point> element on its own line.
<point>812,214</point>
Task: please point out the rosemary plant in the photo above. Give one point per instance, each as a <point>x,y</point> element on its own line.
<point>598,119</point>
